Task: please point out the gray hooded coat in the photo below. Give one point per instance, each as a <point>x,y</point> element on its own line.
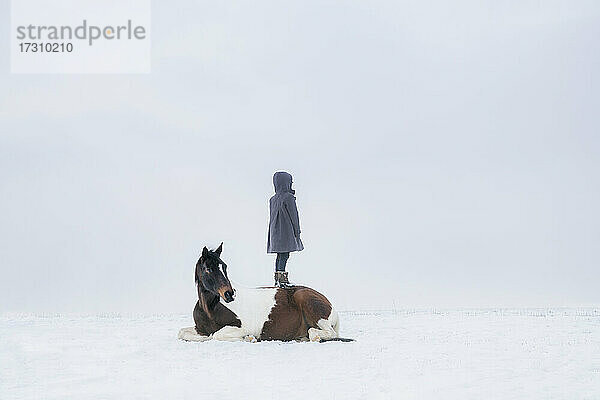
<point>284,224</point>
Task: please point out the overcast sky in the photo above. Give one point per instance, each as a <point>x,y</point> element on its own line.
<point>443,153</point>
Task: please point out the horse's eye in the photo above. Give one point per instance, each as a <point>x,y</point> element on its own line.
<point>206,269</point>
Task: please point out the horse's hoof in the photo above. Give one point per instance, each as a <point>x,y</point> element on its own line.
<point>190,335</point>
<point>251,339</point>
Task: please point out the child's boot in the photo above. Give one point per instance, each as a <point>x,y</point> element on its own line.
<point>281,279</point>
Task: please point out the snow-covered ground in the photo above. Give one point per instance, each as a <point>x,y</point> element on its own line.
<point>412,354</point>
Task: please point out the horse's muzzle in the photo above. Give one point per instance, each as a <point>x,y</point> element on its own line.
<point>228,295</point>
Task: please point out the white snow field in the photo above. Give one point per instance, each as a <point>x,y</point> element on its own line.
<point>407,354</point>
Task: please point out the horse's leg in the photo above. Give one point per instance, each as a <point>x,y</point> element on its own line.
<point>190,335</point>
<point>326,331</point>
<point>321,318</point>
<point>229,333</point>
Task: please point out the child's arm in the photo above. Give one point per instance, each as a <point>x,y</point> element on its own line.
<point>290,205</point>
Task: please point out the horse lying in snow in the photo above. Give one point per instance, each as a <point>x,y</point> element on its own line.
<point>268,313</point>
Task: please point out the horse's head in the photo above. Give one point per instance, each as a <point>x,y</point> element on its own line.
<point>211,273</point>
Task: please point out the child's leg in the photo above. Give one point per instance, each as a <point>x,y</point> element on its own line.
<point>278,262</point>
<point>281,261</point>
<point>284,260</point>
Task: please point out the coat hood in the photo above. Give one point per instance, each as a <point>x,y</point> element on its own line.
<point>283,182</point>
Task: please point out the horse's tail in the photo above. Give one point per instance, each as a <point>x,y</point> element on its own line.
<point>336,339</point>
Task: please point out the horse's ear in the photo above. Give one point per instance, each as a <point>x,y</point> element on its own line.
<point>219,250</point>
<point>204,252</point>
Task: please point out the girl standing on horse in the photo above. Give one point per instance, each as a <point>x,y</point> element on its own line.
<point>284,225</point>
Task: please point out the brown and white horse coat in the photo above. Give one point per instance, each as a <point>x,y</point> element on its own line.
<point>291,313</point>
